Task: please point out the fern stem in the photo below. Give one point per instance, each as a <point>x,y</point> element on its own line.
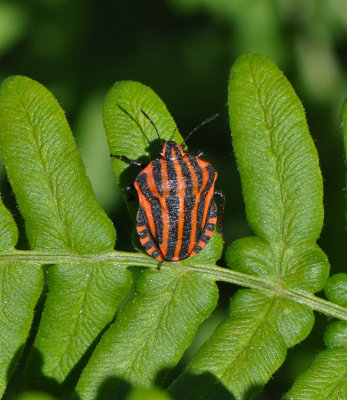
<point>124,259</point>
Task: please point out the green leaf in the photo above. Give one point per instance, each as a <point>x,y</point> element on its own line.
<point>131,134</point>
<point>20,288</point>
<point>128,131</point>
<point>47,174</point>
<point>281,180</point>
<point>61,217</point>
<point>326,377</point>
<point>335,289</point>
<point>324,380</point>
<point>282,188</point>
<point>151,333</point>
<point>91,140</point>
<point>254,338</point>
<point>161,318</point>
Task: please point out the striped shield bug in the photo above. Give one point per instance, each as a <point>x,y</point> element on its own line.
<point>177,213</point>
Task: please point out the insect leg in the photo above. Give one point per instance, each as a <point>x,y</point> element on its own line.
<point>159,265</point>
<point>127,160</point>
<point>221,209</point>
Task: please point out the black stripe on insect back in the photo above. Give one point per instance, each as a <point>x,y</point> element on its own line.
<point>141,219</point>
<point>189,202</point>
<point>204,238</point>
<point>172,151</point>
<point>186,176</point>
<point>158,221</point>
<point>148,245</point>
<point>141,179</point>
<point>144,233</point>
<point>171,174</point>
<point>157,175</point>
<point>209,227</point>
<point>155,253</point>
<point>211,175</point>
<point>173,204</point>
<point>197,169</point>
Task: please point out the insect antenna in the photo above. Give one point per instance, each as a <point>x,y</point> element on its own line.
<point>207,120</point>
<point>156,130</point>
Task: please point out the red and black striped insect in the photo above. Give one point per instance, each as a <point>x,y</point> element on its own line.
<point>177,213</point>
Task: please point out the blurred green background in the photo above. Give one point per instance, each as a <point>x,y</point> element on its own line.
<point>183,49</point>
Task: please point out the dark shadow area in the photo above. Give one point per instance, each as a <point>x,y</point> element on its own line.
<point>155,147</point>
<point>113,388</point>
<point>126,178</point>
<point>22,374</point>
<point>72,379</point>
<point>127,228</point>
<point>17,365</point>
<point>298,359</point>
<point>36,380</point>
<point>187,387</point>
<point>9,201</point>
<point>11,371</point>
<point>194,387</point>
<point>204,387</point>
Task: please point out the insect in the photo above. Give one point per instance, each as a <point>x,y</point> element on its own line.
<point>177,213</point>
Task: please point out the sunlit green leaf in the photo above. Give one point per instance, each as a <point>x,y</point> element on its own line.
<point>282,188</point>
<point>61,216</point>
<point>326,377</point>
<point>20,288</point>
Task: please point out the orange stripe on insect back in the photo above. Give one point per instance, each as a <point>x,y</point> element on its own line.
<point>164,210</point>
<point>213,220</point>
<point>151,182</point>
<point>145,240</point>
<point>200,244</point>
<point>195,192</point>
<point>194,214</point>
<point>153,188</point>
<point>208,233</point>
<point>193,175</point>
<point>181,192</point>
